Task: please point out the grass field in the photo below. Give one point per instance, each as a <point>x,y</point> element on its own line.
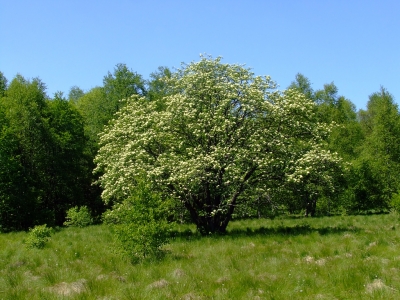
<point>344,257</point>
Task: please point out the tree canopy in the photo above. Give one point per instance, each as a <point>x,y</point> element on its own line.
<point>44,168</point>
<point>222,133</point>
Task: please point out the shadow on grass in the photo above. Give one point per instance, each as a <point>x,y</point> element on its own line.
<point>292,230</point>
<point>303,229</point>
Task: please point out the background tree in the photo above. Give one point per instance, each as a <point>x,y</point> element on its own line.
<point>68,166</point>
<point>318,174</point>
<point>75,93</point>
<point>119,85</point>
<point>24,104</point>
<point>93,108</point>
<point>157,86</point>
<point>222,132</point>
<point>377,168</point>
<point>44,158</point>
<point>347,136</point>
<point>99,105</point>
<point>122,84</point>
<point>303,85</point>
<point>3,84</point>
<point>17,203</point>
<point>345,139</point>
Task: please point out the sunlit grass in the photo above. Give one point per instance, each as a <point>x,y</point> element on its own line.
<point>349,257</point>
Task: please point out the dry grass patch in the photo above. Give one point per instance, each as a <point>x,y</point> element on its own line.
<point>377,284</point>
<point>68,289</point>
<point>112,275</point>
<point>267,277</point>
<point>309,259</point>
<point>159,284</point>
<point>30,276</point>
<point>191,296</point>
<point>222,280</point>
<point>179,273</point>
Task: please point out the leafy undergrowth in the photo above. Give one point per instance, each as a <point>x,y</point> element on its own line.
<point>351,257</point>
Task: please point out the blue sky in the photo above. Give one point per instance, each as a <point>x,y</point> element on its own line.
<point>353,43</point>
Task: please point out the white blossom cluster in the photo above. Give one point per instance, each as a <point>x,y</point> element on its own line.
<point>221,131</point>
<point>316,171</point>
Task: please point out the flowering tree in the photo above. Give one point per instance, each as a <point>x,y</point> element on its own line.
<point>315,174</point>
<point>220,134</point>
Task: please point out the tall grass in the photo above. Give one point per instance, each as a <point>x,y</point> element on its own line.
<point>351,257</point>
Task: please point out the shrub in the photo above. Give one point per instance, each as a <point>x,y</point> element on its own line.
<point>79,217</point>
<point>38,236</point>
<point>139,224</point>
<point>395,202</point>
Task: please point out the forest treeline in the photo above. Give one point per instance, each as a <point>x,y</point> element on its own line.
<point>48,145</point>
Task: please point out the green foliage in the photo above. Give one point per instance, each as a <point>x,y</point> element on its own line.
<point>258,205</point>
<point>303,85</point>
<point>66,179</point>
<point>22,154</point>
<point>357,189</point>
<point>75,93</point>
<point>99,105</point>
<point>79,217</point>
<point>376,171</point>
<point>316,175</point>
<point>139,224</point>
<point>3,84</point>
<point>395,202</point>
<point>121,84</point>
<point>44,148</point>
<point>158,87</point>
<point>92,106</point>
<point>218,133</point>
<point>367,183</point>
<point>38,236</point>
<point>215,140</point>
<point>16,203</point>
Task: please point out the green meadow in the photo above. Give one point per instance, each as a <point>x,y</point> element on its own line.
<point>339,257</point>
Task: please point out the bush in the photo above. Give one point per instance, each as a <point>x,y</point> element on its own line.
<point>38,236</point>
<point>79,217</point>
<point>139,224</point>
<point>395,202</point>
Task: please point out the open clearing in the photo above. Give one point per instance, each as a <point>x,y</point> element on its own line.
<point>341,257</point>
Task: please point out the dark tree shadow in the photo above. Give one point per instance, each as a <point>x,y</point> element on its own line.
<point>292,230</point>
<point>295,230</point>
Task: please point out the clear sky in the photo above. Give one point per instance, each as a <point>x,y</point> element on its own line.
<point>353,43</point>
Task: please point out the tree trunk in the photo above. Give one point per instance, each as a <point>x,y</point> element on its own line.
<point>311,208</point>
<point>211,225</point>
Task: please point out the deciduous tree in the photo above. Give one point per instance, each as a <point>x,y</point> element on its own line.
<point>378,166</point>
<point>223,132</point>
